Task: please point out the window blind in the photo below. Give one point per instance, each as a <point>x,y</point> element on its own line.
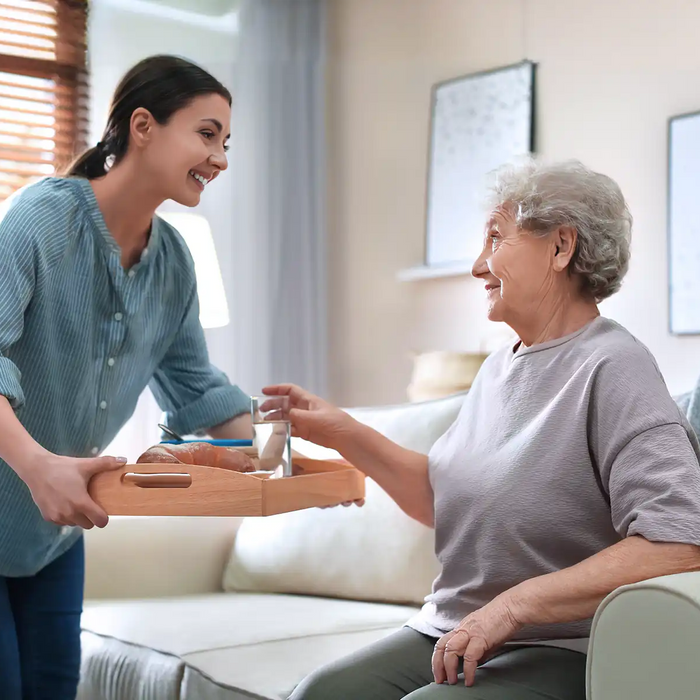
<point>44,107</point>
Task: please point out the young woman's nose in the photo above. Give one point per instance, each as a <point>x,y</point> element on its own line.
<point>219,160</point>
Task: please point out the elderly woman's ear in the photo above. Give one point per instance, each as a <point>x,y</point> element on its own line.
<point>564,242</point>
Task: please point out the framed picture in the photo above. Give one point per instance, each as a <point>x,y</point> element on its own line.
<point>684,224</point>
<point>478,123</point>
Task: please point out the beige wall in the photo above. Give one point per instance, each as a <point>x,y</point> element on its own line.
<point>610,74</point>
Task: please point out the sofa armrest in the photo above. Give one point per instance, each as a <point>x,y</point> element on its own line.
<point>644,641</point>
<point>141,557</point>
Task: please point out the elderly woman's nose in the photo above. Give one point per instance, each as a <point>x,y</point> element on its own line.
<point>480,266</point>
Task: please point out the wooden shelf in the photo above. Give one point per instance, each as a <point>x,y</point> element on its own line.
<point>427,272</point>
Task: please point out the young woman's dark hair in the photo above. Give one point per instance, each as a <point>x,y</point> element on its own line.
<point>161,84</point>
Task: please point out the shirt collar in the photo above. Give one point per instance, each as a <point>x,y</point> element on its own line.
<point>92,208</point>
<point>519,349</point>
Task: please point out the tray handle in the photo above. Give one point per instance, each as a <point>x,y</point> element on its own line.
<point>158,480</point>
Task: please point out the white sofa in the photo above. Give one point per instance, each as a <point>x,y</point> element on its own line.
<point>222,609</point>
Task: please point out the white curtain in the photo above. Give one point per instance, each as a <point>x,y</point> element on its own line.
<point>276,272</point>
<point>267,213</point>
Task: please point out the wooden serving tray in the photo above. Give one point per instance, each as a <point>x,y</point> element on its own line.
<point>165,489</point>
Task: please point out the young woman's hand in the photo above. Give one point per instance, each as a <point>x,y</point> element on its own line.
<point>59,487</point>
<point>314,419</point>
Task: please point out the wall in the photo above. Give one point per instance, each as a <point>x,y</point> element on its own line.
<point>609,76</point>
<point>122,32</point>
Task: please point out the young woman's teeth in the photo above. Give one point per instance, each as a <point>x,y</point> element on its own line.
<point>199,177</point>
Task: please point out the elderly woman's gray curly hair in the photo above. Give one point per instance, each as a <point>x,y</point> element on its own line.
<point>543,197</point>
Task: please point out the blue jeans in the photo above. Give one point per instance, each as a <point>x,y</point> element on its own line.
<point>40,630</point>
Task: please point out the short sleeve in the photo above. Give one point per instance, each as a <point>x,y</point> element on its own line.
<point>644,451</point>
<point>193,393</point>
<point>654,486</point>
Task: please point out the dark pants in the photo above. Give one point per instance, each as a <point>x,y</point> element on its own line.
<point>40,630</point>
<point>399,667</point>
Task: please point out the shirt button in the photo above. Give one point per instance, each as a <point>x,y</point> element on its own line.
<point>94,450</point>
<point>103,405</point>
<point>131,273</point>
<point>145,253</point>
<point>118,316</point>
<point>110,362</point>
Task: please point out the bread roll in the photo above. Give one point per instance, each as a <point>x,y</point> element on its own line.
<point>201,453</point>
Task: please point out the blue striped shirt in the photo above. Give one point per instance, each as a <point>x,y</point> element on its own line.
<point>80,339</point>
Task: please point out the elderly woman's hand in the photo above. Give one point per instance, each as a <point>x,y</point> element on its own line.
<point>476,637</point>
<point>314,419</point>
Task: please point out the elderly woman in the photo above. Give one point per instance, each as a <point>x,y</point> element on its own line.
<point>570,470</point>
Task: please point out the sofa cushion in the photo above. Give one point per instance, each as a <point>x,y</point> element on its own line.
<point>371,553</point>
<point>115,670</point>
<point>226,646</point>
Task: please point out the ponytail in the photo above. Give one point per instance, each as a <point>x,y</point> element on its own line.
<point>91,164</point>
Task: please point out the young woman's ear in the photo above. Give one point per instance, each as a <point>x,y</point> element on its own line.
<point>141,127</point>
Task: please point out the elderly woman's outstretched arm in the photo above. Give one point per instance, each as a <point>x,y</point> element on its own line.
<point>402,473</point>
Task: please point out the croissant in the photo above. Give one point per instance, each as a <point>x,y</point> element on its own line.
<point>201,453</point>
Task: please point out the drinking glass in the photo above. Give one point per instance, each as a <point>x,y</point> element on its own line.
<point>272,433</point>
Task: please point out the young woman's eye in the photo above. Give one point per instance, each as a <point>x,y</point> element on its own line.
<point>209,135</point>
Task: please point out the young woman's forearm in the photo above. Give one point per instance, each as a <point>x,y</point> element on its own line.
<point>402,473</point>
<point>238,428</point>
<point>17,447</point>
<point>58,483</point>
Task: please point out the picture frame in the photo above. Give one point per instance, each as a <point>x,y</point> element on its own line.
<point>478,122</point>
<point>683,224</point>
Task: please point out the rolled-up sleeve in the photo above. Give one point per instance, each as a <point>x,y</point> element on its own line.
<point>10,384</point>
<point>194,394</point>
<point>17,283</point>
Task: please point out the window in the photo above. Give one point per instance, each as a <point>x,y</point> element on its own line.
<point>43,88</point>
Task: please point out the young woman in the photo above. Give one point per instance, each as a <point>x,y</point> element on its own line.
<point>97,300</point>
